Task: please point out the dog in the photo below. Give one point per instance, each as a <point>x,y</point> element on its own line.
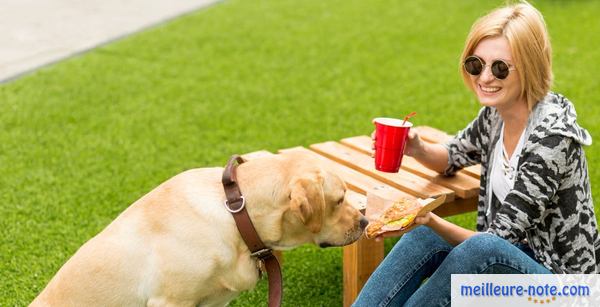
<point>179,246</point>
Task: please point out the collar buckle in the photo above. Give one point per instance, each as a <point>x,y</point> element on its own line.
<point>262,253</point>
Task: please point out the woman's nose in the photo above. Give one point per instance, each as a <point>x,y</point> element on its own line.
<point>486,75</point>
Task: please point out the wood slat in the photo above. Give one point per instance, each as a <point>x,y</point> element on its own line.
<point>433,135</point>
<point>361,143</point>
<point>463,185</point>
<point>473,171</point>
<point>356,200</point>
<point>403,180</point>
<point>354,180</point>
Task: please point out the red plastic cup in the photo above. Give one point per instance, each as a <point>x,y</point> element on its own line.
<point>390,140</point>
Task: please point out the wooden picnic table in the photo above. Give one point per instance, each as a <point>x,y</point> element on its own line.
<point>351,159</point>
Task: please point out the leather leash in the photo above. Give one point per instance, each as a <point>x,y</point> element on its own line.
<point>236,204</point>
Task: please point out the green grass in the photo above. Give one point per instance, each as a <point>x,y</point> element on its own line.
<point>82,139</point>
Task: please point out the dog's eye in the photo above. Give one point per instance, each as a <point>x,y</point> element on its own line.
<point>340,201</point>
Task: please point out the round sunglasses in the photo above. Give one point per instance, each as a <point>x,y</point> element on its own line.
<point>474,66</point>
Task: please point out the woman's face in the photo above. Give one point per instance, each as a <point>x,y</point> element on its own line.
<point>502,94</point>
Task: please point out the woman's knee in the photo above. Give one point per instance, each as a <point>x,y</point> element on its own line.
<point>482,244</point>
<point>423,237</point>
<point>487,253</point>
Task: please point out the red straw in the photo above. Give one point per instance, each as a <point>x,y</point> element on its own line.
<point>411,114</point>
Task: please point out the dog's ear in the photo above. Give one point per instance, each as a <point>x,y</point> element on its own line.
<point>308,202</point>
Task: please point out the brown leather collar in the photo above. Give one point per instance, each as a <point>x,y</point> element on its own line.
<point>236,204</point>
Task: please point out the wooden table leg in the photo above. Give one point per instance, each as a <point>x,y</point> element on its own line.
<point>360,260</point>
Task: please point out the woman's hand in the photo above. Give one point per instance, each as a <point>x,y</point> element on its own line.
<point>423,219</point>
<point>414,145</point>
<point>373,146</point>
<point>419,220</point>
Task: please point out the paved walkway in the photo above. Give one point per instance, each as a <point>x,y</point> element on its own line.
<point>34,33</point>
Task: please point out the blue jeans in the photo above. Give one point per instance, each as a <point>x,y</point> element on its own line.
<point>422,253</point>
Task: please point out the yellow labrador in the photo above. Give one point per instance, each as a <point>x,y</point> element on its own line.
<point>179,246</point>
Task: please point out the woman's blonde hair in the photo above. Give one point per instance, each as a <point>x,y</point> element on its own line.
<point>524,28</point>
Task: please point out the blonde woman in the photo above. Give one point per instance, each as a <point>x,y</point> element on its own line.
<point>535,211</point>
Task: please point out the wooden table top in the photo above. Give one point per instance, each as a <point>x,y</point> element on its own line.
<point>351,158</point>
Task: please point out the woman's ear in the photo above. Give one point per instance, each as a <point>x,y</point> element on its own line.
<point>307,202</point>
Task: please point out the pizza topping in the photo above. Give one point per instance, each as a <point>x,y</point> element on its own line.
<point>397,217</point>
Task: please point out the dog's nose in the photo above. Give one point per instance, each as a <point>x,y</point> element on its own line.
<point>363,222</point>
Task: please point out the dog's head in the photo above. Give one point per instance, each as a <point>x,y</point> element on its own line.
<point>318,201</point>
<point>314,205</point>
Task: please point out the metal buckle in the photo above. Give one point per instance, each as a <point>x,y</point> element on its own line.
<point>260,254</point>
<point>238,209</point>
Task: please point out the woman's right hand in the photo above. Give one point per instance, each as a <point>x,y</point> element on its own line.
<point>373,145</point>
<point>414,145</point>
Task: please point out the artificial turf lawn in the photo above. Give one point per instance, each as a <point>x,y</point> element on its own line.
<point>83,139</point>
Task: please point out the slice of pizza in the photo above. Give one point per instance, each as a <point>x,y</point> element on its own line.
<point>400,215</point>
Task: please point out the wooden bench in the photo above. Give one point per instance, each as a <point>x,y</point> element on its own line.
<point>351,159</point>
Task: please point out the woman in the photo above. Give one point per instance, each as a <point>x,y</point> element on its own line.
<point>535,212</point>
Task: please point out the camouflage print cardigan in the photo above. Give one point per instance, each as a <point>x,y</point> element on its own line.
<point>550,205</point>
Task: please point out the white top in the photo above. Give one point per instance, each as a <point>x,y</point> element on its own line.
<point>504,170</point>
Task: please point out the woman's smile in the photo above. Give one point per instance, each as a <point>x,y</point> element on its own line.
<point>489,89</point>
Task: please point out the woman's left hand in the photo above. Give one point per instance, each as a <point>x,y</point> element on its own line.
<point>419,220</point>
<point>423,219</point>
